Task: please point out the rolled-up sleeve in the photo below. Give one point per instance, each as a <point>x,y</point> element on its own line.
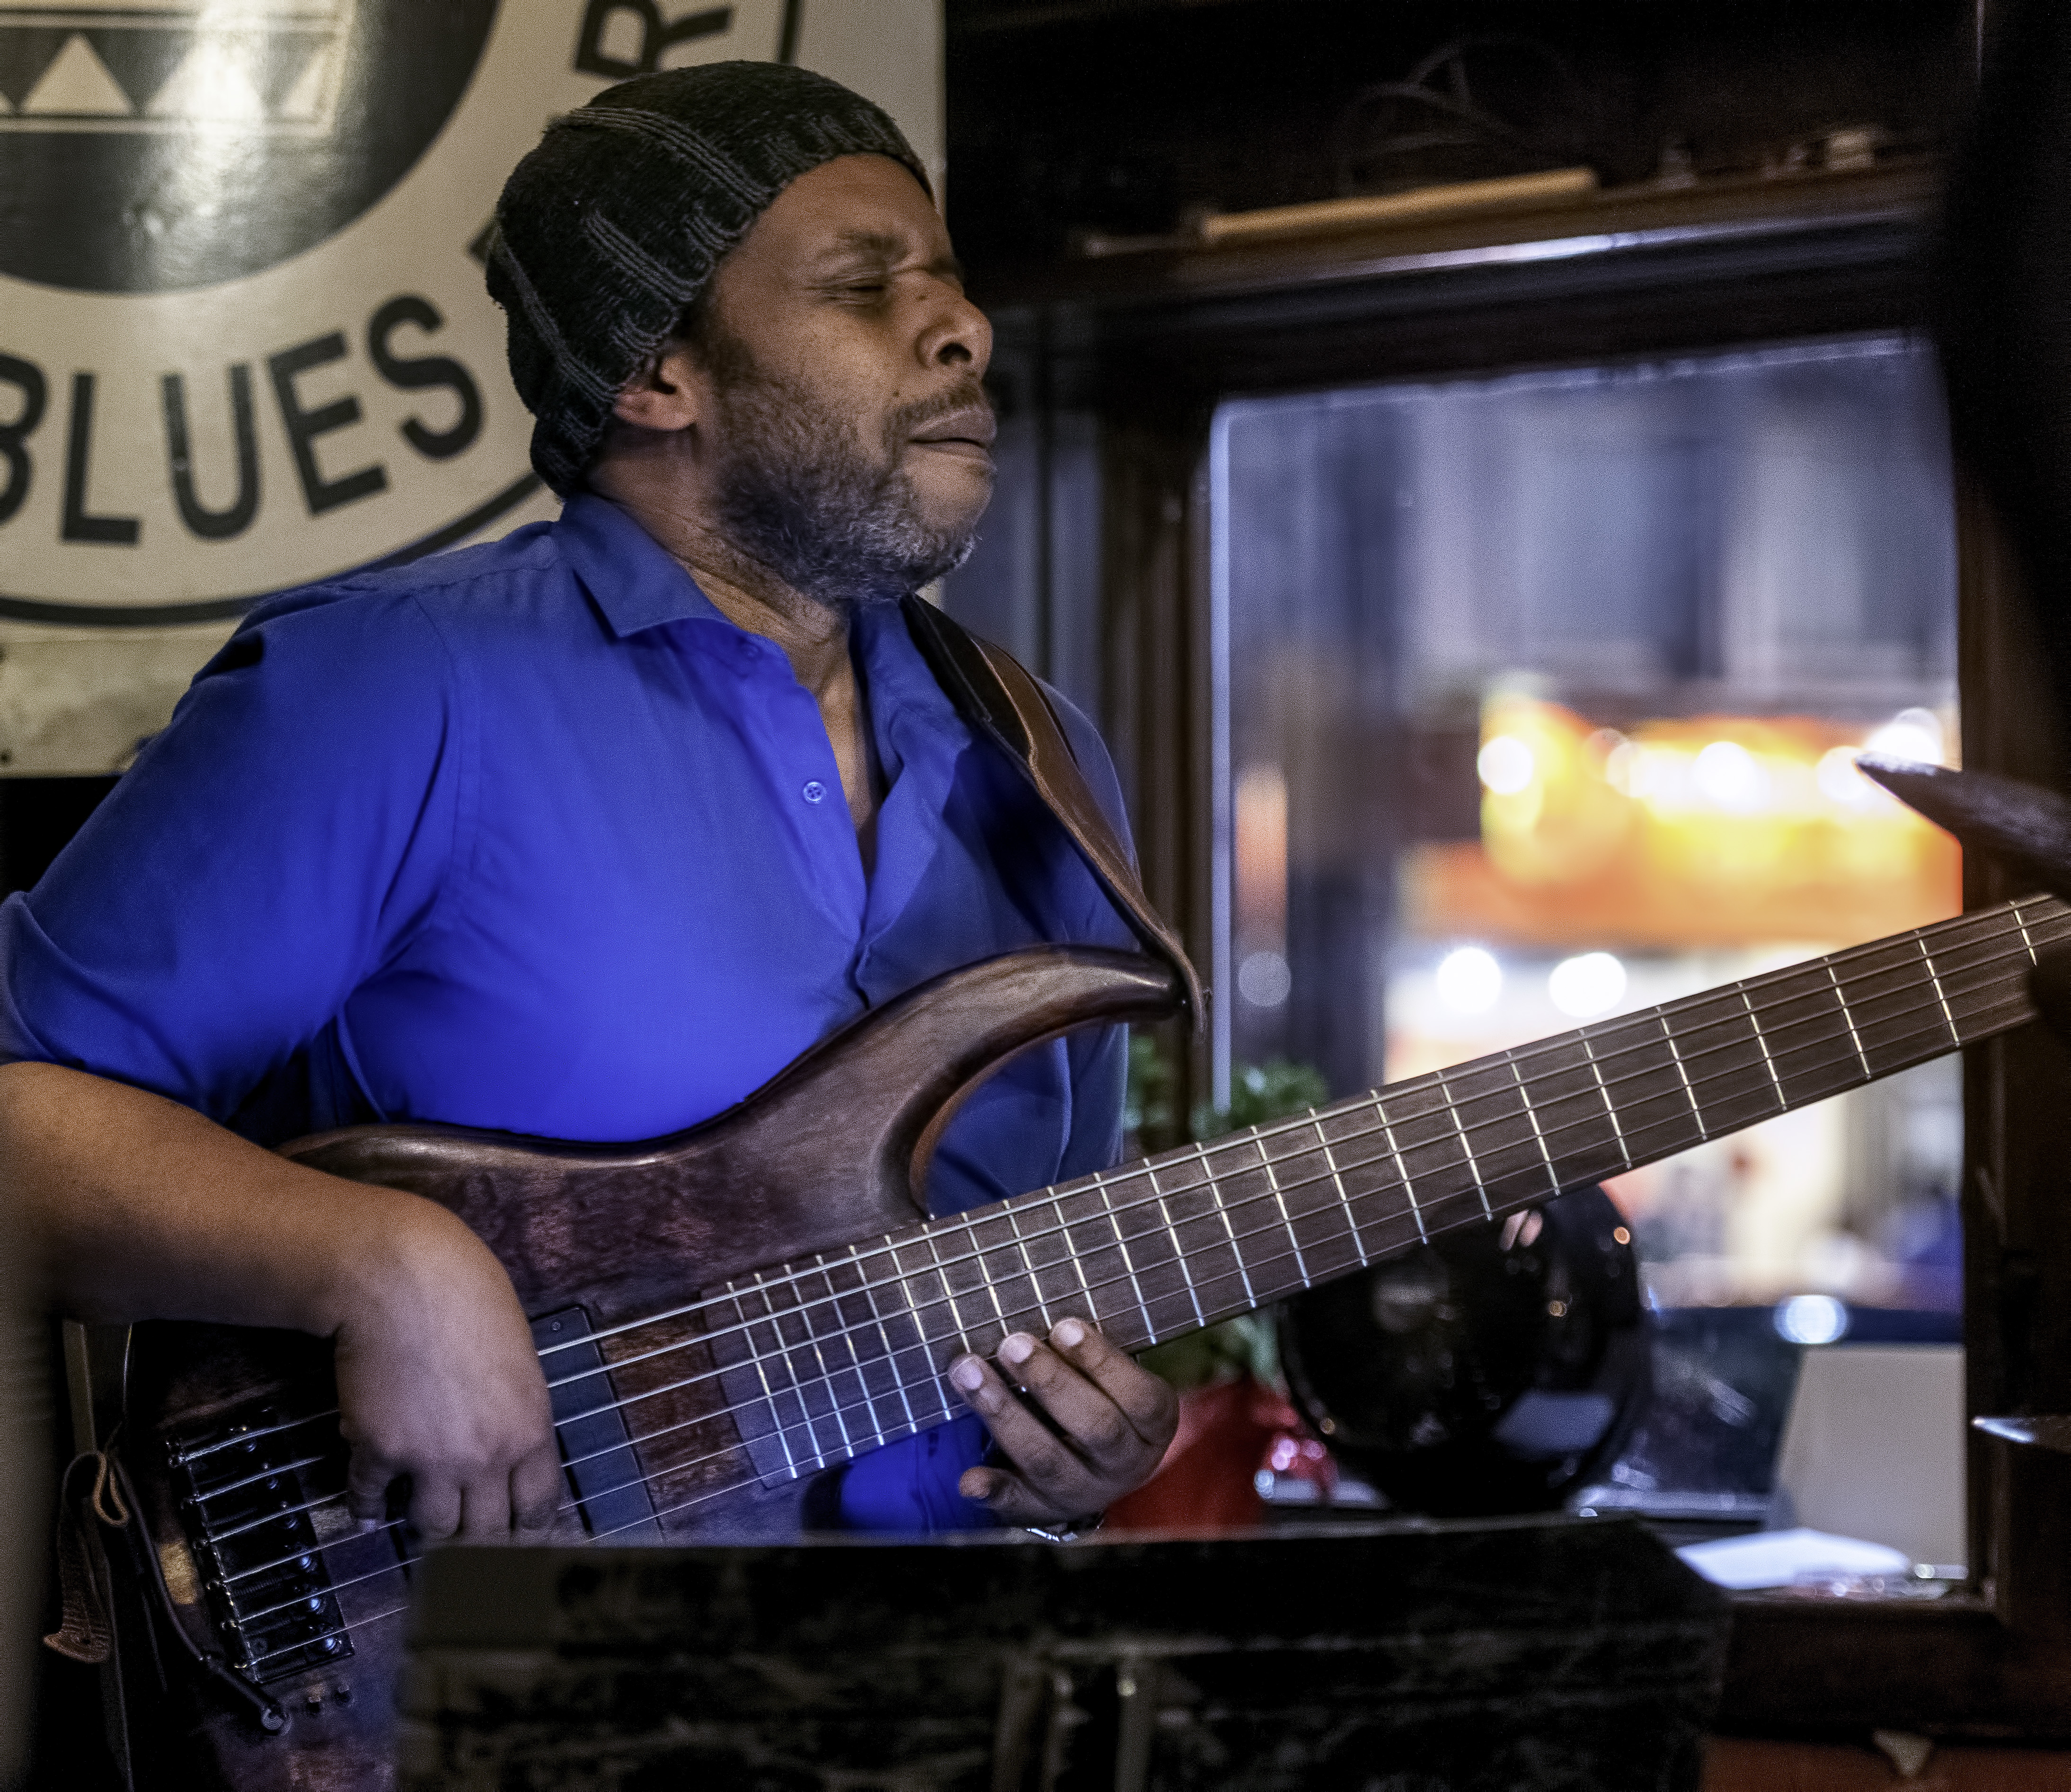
<point>287,834</point>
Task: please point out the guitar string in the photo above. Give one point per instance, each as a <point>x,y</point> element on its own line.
<point>367,1622</point>
<point>810,1422</point>
<point>1904,964</point>
<point>802,1388</point>
<point>869,1401</point>
<point>774,1317</point>
<point>854,1369</point>
<point>889,1245</point>
<point>651,1516</point>
<point>712,1494</point>
<point>790,1279</point>
<point>1730,1023</point>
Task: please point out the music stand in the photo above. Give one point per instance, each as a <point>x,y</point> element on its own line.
<point>1403,1657</point>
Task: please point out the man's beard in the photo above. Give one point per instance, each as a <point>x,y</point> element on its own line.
<point>799,494</point>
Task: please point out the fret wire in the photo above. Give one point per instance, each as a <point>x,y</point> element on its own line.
<point>1344,1200</point>
<point>948,1294</point>
<point>1934,977</point>
<point>1531,1114</point>
<point>1696,1112</point>
<point>1603,1089</point>
<point>784,1353</point>
<point>1179,1256</point>
<point>1769,1064</point>
<point>857,1367</point>
<point>1214,1192</point>
<point>1287,1219</point>
<point>883,1333</point>
<point>826,1375</point>
<point>1121,1244</point>
<point>1222,1212</point>
<point>2020,920</point>
<point>985,1275</point>
<point>1401,1168</point>
<point>1071,1251</point>
<point>1028,1268</point>
<point>1473,1168</point>
<point>762,1375</point>
<point>904,1284</point>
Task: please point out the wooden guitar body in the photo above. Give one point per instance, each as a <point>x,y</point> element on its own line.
<point>671,1427</point>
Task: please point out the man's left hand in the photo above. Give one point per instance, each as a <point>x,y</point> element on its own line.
<point>1112,1421</point>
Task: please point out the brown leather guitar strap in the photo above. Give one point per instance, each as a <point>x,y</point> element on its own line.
<point>1004,705</point>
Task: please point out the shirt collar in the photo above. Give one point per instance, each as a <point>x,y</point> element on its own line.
<point>905,701</point>
<point>631,577</point>
<point>638,584</point>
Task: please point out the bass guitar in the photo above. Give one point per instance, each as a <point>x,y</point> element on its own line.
<point>724,1313</point>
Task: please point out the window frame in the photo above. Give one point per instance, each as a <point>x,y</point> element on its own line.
<point>1145,347</point>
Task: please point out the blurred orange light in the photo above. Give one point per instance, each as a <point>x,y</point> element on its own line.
<point>1712,830</point>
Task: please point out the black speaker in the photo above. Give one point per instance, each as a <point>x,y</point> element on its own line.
<point>1493,1370</point>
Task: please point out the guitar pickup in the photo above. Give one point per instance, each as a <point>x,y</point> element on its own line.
<point>597,1448</point>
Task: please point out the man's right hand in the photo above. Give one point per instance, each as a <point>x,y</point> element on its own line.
<point>439,1384</point>
<point>147,1210</point>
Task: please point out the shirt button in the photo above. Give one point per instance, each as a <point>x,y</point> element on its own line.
<point>814,790</point>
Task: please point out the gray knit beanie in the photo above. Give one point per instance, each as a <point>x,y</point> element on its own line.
<point>609,228</point>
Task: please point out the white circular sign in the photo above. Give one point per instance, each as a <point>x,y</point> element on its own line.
<point>244,341</point>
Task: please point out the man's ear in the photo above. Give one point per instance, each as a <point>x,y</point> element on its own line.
<point>667,395</point>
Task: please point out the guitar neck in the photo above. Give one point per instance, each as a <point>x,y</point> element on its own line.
<point>1193,1237</point>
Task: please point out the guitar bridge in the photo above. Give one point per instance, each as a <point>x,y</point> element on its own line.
<point>257,1494</point>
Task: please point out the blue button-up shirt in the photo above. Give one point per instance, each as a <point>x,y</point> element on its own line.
<point>530,837</point>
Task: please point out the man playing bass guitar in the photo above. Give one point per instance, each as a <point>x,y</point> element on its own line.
<point>586,833</point>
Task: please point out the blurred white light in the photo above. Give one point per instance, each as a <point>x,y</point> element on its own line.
<point>1506,765</point>
<point>1840,782</point>
<point>1911,734</point>
<point>1264,980</point>
<point>1469,980</point>
<point>1586,985</point>
<point>1811,1319</point>
<point>1728,775</point>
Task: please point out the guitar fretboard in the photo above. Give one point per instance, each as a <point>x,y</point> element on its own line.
<point>828,1359</point>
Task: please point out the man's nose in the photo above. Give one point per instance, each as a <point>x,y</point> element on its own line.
<point>959,335</point>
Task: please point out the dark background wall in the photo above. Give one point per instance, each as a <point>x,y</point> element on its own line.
<point>1119,115</point>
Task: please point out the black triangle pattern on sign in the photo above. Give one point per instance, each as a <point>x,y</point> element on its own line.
<point>140,60</point>
<point>287,54</point>
<point>26,52</point>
